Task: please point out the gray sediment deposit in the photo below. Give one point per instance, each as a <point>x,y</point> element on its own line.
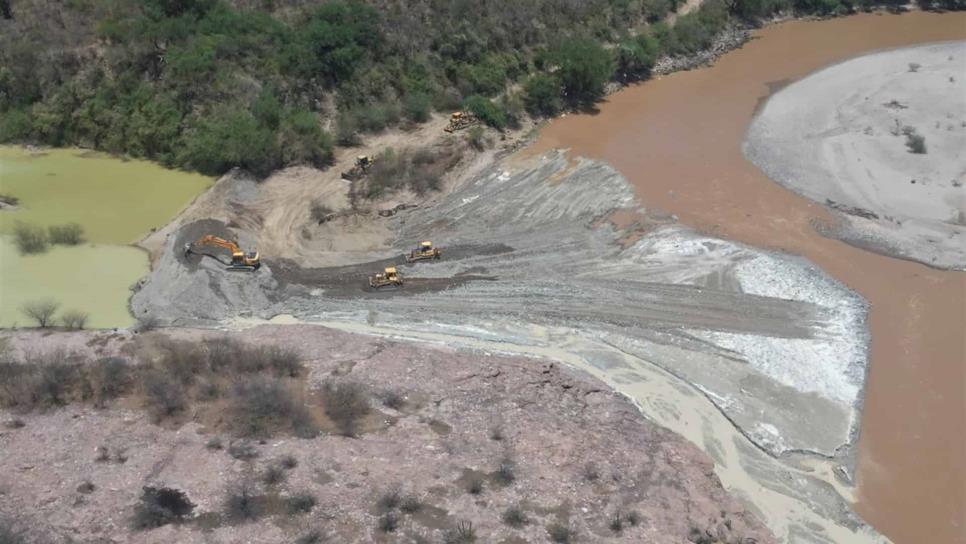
<point>846,136</point>
<point>774,347</point>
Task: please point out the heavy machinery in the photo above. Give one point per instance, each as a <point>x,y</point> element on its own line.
<point>240,260</point>
<point>460,120</point>
<point>422,252</point>
<point>388,278</point>
<point>361,168</point>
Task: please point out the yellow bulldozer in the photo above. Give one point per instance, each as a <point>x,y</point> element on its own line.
<point>460,120</point>
<point>360,169</point>
<point>422,252</point>
<point>388,278</point>
<point>240,260</point>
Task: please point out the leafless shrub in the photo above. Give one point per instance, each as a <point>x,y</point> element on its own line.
<point>300,503</point>
<point>273,475</point>
<point>617,523</point>
<point>410,504</point>
<point>496,433</point>
<point>319,211</point>
<point>560,533</point>
<point>109,378</point>
<point>262,407</point>
<point>914,66</point>
<point>390,499</point>
<point>164,396</point>
<point>288,462</point>
<point>591,473</point>
<point>463,533</point>
<point>346,404</point>
<point>475,485</point>
<point>242,502</point>
<point>389,522</point>
<point>41,311</point>
<point>633,518</point>
<point>916,143</point>
<point>29,238</point>
<point>514,516</point>
<point>242,450</point>
<point>506,471</point>
<point>70,234</point>
<point>86,487</point>
<point>313,536</point>
<point>160,506</point>
<point>214,443</point>
<point>15,423</point>
<point>10,533</point>
<point>75,319</point>
<point>393,399</point>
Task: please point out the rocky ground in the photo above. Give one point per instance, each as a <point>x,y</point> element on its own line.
<point>579,454</point>
<point>841,137</point>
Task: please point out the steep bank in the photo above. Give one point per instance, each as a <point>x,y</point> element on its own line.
<point>678,140</point>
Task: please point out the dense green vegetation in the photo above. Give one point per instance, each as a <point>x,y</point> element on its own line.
<point>213,84</point>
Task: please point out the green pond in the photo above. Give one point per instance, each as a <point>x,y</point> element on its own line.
<point>116,201</point>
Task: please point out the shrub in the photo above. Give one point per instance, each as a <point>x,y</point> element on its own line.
<point>914,66</point>
<point>416,107</point>
<point>86,487</point>
<point>617,523</point>
<point>41,311</point>
<point>110,377</point>
<point>214,443</point>
<point>635,57</point>
<point>633,518</point>
<point>562,534</point>
<point>313,536</point>
<point>160,506</point>
<point>164,396</point>
<point>486,110</point>
<point>541,94</point>
<point>496,433</point>
<point>475,485</point>
<point>389,522</point>
<point>463,533</point>
<point>262,407</point>
<point>506,471</point>
<point>242,502</point>
<point>394,400</point>
<point>584,66</point>
<point>300,503</point>
<point>476,136</point>
<point>288,462</point>
<point>242,450</point>
<point>10,533</point>
<point>53,381</point>
<point>410,504</point>
<point>591,473</point>
<point>916,143</point>
<point>29,238</point>
<point>70,234</point>
<point>75,319</point>
<point>514,516</point>
<point>390,499</point>
<point>346,404</point>
<point>273,475</point>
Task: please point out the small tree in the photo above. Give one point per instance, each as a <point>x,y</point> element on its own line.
<point>584,68</point>
<point>70,234</point>
<point>916,143</point>
<point>41,311</point>
<point>541,94</point>
<point>75,319</point>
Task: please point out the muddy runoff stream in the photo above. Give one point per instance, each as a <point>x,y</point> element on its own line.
<point>116,202</point>
<point>678,140</point>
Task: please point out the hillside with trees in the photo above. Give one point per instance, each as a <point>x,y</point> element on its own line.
<point>213,84</point>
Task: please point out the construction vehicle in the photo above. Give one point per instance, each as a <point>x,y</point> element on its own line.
<point>240,260</point>
<point>388,278</point>
<point>460,120</point>
<point>423,251</point>
<point>360,170</point>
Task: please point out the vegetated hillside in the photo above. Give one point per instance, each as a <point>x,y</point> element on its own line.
<point>212,84</point>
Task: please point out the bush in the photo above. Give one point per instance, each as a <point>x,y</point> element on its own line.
<point>164,396</point>
<point>506,471</point>
<point>476,136</point>
<point>410,504</point>
<point>319,211</point>
<point>617,523</point>
<point>635,57</point>
<point>486,110</point>
<point>214,443</point>
<point>288,462</point>
<point>9,200</point>
<point>584,66</point>
<point>29,238</point>
<point>242,450</point>
<point>346,404</point>
<point>263,407</point>
<point>242,502</point>
<point>41,311</point>
<point>475,485</point>
<point>541,94</point>
<point>110,378</point>
<point>273,475</point>
<point>633,518</point>
<point>300,503</point>
<point>514,516</point>
<point>562,534</point>
<point>463,533</point>
<point>393,399</point>
<point>148,323</point>
<point>75,319</point>
<point>390,499</point>
<point>313,536</point>
<point>161,506</point>
<point>70,234</point>
<point>389,522</point>
<point>230,137</point>
<point>916,143</point>
<point>416,107</point>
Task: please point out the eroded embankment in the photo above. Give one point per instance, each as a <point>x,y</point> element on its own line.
<point>753,331</point>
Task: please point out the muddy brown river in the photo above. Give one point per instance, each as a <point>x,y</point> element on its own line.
<point>678,139</point>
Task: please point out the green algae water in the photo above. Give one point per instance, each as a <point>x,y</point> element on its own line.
<point>116,202</point>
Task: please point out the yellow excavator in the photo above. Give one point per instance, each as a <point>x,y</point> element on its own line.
<point>388,278</point>
<point>240,260</point>
<point>360,169</point>
<point>423,251</point>
<point>460,120</point>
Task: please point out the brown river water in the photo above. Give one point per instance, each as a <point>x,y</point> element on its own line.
<point>678,139</point>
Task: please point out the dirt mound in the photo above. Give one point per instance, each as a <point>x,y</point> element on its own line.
<point>197,289</point>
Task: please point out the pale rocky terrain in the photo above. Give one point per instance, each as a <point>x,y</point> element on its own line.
<point>581,453</point>
<point>838,137</point>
